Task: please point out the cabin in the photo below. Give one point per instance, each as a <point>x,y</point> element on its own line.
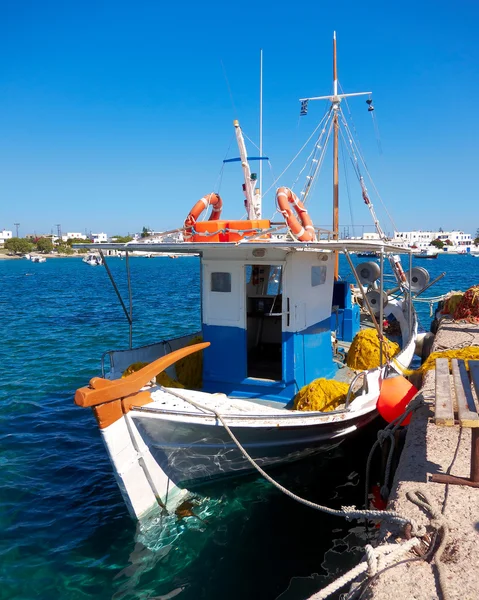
<point>269,313</point>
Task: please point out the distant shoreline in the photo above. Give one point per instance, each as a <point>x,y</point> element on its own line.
<point>7,257</point>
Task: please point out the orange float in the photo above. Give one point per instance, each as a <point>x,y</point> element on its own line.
<point>303,229</point>
<point>213,200</point>
<point>395,395</point>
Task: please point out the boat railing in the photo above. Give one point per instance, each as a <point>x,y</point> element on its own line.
<point>119,360</point>
<point>364,389</point>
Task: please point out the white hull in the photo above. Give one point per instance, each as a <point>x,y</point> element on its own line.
<point>166,447</point>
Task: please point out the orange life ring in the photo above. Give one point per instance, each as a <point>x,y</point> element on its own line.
<point>211,199</point>
<point>302,231</point>
<point>399,270</point>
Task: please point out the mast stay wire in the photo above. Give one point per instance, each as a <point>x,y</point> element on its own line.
<point>312,159</point>
<point>311,182</point>
<point>353,142</point>
<point>296,156</point>
<point>376,131</point>
<point>346,178</point>
<point>235,110</point>
<point>219,179</point>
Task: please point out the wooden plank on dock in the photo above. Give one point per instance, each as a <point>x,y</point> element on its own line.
<point>444,414</point>
<point>474,371</point>
<point>468,416</point>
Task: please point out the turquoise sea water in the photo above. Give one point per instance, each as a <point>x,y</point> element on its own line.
<point>65,532</point>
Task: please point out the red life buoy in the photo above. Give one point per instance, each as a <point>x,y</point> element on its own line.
<point>302,231</point>
<point>211,199</point>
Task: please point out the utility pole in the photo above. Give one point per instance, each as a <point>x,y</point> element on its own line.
<point>59,230</point>
<point>17,225</point>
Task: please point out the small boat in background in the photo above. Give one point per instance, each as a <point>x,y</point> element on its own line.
<point>367,254</point>
<point>428,253</point>
<point>38,259</point>
<point>93,259</point>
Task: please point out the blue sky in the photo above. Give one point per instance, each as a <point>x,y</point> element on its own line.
<point>116,115</point>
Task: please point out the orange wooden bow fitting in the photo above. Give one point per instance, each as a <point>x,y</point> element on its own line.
<point>103,390</point>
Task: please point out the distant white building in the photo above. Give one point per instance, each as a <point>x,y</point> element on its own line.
<point>99,238</point>
<point>371,236</point>
<point>73,236</point>
<point>423,239</point>
<point>5,235</point>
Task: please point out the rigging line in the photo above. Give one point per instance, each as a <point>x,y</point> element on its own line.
<point>249,139</point>
<point>312,182</point>
<point>296,156</point>
<point>376,130</point>
<point>352,155</point>
<point>315,150</point>
<point>341,146</point>
<point>372,182</point>
<point>235,111</point>
<point>351,118</point>
<point>272,177</point>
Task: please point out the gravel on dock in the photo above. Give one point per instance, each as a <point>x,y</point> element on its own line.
<point>433,449</point>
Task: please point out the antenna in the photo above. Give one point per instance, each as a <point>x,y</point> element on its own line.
<point>261,121</point>
<point>17,225</point>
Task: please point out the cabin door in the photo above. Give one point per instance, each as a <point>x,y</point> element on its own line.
<point>264,308</point>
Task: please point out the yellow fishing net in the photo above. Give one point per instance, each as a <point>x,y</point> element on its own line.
<point>189,370</point>
<point>451,302</point>
<point>321,394</point>
<point>364,351</point>
<point>465,354</point>
<point>166,381</point>
<point>468,308</point>
<point>161,379</point>
<point>133,368</point>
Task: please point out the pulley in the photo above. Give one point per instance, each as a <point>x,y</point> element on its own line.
<point>374,299</point>
<point>368,272</point>
<point>419,279</point>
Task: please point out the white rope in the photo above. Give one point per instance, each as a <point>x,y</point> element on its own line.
<point>349,512</point>
<point>375,559</point>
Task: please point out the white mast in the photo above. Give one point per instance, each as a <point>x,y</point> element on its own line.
<point>260,189</point>
<point>252,207</point>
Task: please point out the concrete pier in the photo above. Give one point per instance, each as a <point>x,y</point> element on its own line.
<point>431,449</point>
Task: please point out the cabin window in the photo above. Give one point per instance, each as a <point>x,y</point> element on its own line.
<point>221,282</point>
<point>318,275</point>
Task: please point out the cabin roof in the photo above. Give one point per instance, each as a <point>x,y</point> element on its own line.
<point>199,247</point>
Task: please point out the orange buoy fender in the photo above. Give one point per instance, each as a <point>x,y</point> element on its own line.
<point>395,395</point>
<point>213,200</point>
<point>302,229</point>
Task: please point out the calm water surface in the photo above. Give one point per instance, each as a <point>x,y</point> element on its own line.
<point>66,533</point>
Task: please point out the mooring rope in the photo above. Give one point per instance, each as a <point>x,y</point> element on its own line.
<point>376,559</point>
<point>349,512</point>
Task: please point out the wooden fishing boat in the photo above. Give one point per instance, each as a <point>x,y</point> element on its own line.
<point>275,316</point>
<point>428,254</point>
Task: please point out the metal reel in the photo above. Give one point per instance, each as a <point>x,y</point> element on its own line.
<point>374,299</point>
<point>368,272</point>
<point>419,278</point>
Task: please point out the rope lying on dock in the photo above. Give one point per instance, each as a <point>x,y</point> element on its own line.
<point>375,559</point>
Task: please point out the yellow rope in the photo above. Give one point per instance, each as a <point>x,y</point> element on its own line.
<point>465,354</point>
